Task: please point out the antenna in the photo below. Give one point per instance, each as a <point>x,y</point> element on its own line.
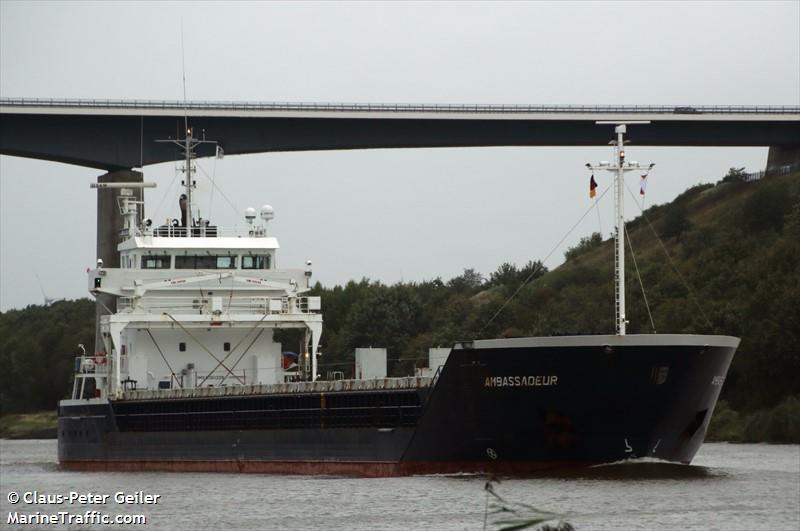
<point>183,68</point>
<point>619,167</point>
<point>187,144</point>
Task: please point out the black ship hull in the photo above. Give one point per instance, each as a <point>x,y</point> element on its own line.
<point>506,406</point>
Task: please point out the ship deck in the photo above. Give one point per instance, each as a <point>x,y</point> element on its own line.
<point>320,386</point>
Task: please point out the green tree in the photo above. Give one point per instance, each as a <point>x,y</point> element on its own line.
<point>469,280</point>
<point>735,175</point>
<point>675,221</point>
<point>504,275</point>
<point>587,243</point>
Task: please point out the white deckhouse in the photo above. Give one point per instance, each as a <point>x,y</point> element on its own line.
<point>196,307</point>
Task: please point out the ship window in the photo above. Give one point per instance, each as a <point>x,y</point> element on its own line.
<point>205,262</point>
<point>226,346</point>
<point>182,346</point>
<point>256,261</point>
<point>156,262</point>
<point>226,262</point>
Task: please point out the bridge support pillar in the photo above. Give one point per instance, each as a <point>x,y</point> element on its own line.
<point>109,226</point>
<point>779,156</point>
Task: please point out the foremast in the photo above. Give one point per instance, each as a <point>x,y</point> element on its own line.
<point>619,168</point>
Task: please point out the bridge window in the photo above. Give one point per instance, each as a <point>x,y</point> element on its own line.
<point>156,262</point>
<point>205,262</point>
<point>261,261</point>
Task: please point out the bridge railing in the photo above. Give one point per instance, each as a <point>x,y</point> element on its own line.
<point>398,107</point>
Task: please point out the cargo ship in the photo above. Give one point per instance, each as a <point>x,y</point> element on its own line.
<point>190,375</point>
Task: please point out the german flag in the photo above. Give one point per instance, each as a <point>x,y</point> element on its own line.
<point>592,187</point>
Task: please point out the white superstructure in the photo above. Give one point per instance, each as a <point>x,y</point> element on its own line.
<point>197,306</point>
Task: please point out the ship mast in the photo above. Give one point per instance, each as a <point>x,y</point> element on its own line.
<point>189,177</point>
<point>188,144</point>
<point>619,168</point>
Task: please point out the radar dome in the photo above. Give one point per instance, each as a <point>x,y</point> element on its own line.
<point>249,214</point>
<point>267,212</point>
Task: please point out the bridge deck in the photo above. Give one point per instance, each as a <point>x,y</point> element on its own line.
<point>120,134</point>
<point>233,108</point>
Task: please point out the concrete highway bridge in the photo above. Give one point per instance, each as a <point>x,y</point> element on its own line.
<point>120,135</point>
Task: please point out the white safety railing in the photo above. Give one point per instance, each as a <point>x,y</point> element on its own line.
<point>95,365</point>
<point>221,305</point>
<point>172,231</point>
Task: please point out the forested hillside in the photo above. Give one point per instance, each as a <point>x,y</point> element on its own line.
<point>722,259</point>
<point>38,346</point>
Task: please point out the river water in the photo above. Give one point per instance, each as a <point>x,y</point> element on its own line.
<point>729,486</point>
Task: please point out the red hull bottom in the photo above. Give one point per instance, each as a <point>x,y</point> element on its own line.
<point>317,468</point>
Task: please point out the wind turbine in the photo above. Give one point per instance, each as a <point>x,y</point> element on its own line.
<point>47,300</point>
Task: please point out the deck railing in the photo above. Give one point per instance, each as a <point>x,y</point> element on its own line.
<point>98,365</point>
<point>282,389</point>
<point>221,305</point>
<point>95,365</point>
<point>210,231</point>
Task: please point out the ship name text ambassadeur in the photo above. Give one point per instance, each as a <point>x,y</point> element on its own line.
<point>521,381</point>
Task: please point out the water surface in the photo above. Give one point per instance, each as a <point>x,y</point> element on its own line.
<point>729,486</point>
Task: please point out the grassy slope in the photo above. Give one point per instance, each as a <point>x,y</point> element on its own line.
<point>39,425</point>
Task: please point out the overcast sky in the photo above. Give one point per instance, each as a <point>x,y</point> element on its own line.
<point>388,215</point>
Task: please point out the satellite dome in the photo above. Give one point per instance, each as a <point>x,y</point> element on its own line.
<point>267,212</point>
<point>249,214</point>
